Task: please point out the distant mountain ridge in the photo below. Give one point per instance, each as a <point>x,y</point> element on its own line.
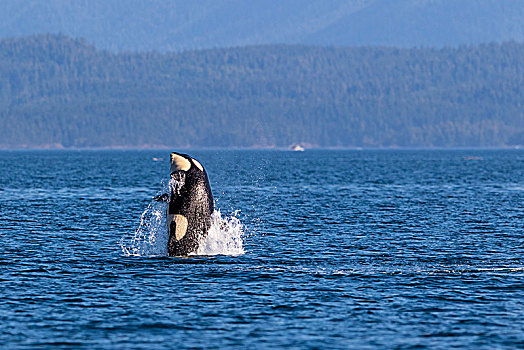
<point>178,25</point>
<point>61,92</point>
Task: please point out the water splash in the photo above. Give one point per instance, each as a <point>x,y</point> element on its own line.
<point>225,236</point>
<point>150,239</point>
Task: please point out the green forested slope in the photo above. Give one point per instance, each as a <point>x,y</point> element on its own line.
<point>56,91</point>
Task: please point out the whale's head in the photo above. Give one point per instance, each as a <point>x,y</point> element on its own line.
<point>179,162</point>
<point>183,164</point>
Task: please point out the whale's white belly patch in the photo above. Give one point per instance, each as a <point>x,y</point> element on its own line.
<point>180,224</point>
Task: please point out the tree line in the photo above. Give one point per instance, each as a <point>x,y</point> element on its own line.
<point>56,91</point>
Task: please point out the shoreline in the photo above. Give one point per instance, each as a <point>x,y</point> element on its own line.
<point>257,148</point>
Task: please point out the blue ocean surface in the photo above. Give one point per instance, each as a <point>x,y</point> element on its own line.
<point>315,249</point>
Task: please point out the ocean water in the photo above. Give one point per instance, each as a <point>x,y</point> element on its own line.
<point>315,249</point>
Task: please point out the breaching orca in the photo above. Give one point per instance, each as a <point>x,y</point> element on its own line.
<point>190,205</point>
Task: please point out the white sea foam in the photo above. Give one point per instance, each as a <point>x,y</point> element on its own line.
<point>225,236</point>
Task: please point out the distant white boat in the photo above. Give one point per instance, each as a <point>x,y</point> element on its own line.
<point>297,148</point>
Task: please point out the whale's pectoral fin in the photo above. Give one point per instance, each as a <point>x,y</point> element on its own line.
<point>162,197</point>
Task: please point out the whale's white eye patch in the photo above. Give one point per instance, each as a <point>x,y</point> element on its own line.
<point>199,166</point>
<point>179,163</point>
<point>180,224</point>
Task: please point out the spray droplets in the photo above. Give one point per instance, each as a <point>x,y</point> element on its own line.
<point>225,236</point>
<point>176,182</point>
<point>150,239</point>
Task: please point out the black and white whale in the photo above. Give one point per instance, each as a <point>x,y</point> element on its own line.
<point>190,205</point>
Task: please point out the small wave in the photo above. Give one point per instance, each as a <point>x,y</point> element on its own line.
<point>225,236</point>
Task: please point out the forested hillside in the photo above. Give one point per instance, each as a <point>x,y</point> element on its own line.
<point>176,25</point>
<point>60,92</point>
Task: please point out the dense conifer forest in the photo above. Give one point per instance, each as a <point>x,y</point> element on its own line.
<point>61,92</point>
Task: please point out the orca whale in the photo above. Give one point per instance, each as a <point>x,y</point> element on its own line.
<point>190,205</point>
